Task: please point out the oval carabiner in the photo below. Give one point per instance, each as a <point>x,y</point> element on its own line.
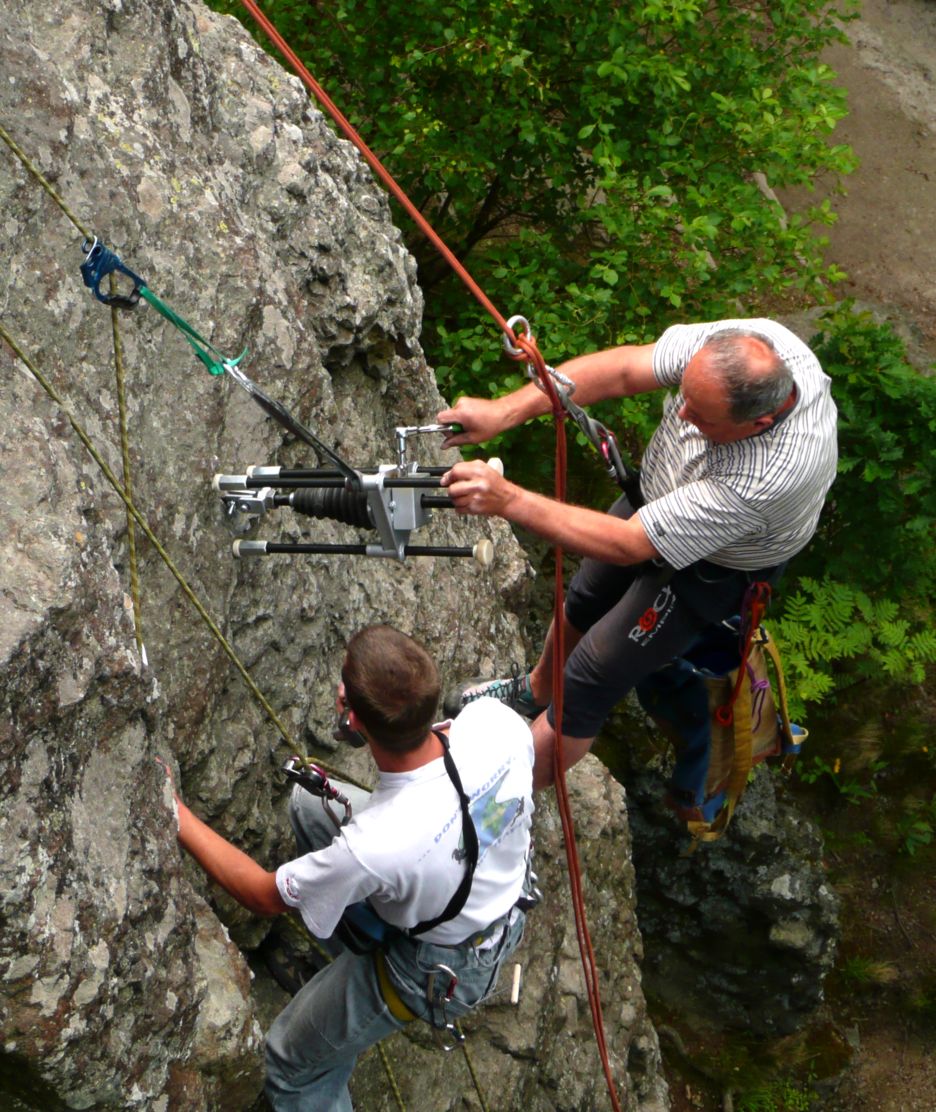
<point>512,350</point>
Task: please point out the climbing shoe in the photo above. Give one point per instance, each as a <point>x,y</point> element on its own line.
<point>514,690</point>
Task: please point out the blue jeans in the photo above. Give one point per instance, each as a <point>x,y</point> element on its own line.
<point>315,1041</point>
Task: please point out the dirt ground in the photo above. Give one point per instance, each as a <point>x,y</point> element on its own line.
<point>884,238</point>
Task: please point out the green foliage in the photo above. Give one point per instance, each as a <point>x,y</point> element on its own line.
<point>599,166</point>
<point>828,630</point>
<point>849,788</point>
<point>865,972</point>
<point>782,1095</point>
<point>861,609</point>
<point>916,825</point>
<point>877,533</point>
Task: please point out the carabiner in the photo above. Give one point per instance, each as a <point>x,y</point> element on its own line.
<point>99,263</point>
<point>308,775</point>
<point>445,1027</point>
<point>512,350</point>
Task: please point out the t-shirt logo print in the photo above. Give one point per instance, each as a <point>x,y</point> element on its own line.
<point>653,618</point>
<point>492,819</point>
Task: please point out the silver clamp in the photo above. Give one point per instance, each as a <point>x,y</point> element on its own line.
<point>395,512</point>
<point>242,509</point>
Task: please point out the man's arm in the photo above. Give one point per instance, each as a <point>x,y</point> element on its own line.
<point>239,875</point>
<point>614,373</point>
<point>476,488</point>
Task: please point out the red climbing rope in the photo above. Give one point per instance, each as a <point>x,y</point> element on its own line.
<point>376,165</point>
<point>530,352</point>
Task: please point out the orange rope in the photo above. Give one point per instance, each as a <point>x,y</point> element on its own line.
<point>377,166</point>
<point>531,353</point>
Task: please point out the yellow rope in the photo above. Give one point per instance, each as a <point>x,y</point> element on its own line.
<point>138,518</point>
<point>37,174</point>
<point>128,487</point>
<point>391,1079</point>
<point>471,1070</point>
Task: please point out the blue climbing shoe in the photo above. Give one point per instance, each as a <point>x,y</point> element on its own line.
<point>515,691</point>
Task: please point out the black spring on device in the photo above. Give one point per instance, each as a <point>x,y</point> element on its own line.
<point>347,506</point>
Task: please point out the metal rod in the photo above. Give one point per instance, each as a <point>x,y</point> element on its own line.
<point>428,501</point>
<point>274,548</point>
<point>253,482</point>
<point>327,472</point>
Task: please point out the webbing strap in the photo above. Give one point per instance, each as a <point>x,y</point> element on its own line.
<point>201,346</point>
<point>743,751</point>
<point>472,849</point>
<point>773,652</point>
<point>392,998</point>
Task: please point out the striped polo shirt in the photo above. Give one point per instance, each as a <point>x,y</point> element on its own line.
<point>750,504</point>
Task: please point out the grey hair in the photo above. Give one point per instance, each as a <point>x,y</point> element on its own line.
<point>749,395</point>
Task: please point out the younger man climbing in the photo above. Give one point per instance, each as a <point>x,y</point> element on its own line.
<point>449,800</point>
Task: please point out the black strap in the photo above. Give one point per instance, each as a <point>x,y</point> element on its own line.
<point>470,837</point>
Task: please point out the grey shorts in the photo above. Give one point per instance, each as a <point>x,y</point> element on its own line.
<point>635,620</point>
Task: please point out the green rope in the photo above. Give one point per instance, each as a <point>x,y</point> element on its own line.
<point>198,343</point>
<point>391,1079</point>
<point>471,1069</point>
<point>128,487</point>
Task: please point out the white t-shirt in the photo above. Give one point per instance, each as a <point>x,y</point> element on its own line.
<point>750,504</point>
<point>404,851</point>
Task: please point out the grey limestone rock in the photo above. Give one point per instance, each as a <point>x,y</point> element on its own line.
<point>174,138</point>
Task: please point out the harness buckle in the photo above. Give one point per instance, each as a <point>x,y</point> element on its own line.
<point>99,263</point>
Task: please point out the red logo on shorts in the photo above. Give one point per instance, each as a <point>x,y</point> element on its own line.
<point>648,619</point>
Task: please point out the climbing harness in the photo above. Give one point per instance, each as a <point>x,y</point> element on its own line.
<point>363,931</point>
<point>716,706</point>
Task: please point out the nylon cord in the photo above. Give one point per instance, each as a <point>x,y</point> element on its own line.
<point>127,481</point>
<point>153,539</point>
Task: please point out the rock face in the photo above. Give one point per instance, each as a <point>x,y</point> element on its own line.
<point>744,930</point>
<point>170,135</point>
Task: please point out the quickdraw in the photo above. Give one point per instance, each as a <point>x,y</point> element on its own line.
<point>597,434</point>
<point>393,499</point>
